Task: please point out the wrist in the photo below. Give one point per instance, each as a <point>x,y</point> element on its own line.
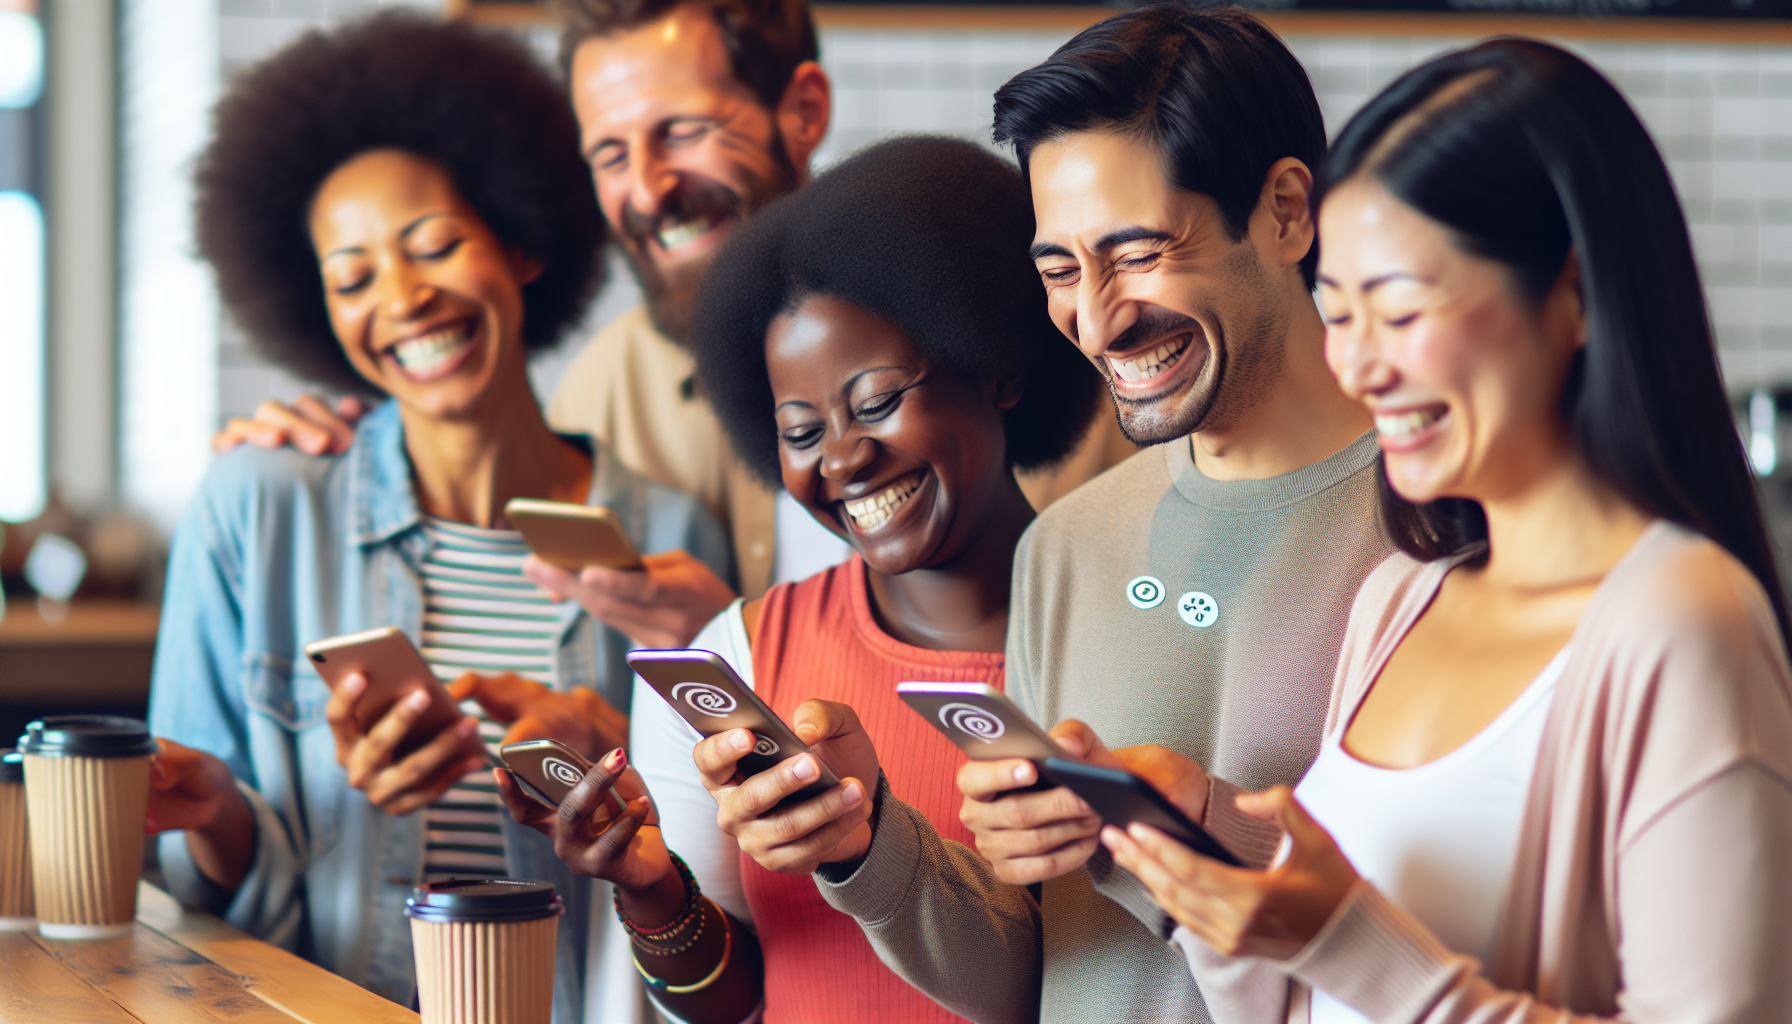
<point>655,902</point>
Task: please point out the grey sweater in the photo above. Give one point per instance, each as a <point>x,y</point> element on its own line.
<point>1225,654</point>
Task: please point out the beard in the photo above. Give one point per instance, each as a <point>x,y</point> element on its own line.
<point>1241,364</point>
<point>671,291</point>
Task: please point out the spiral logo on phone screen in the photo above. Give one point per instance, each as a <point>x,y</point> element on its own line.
<point>711,700</point>
<point>561,771</point>
<point>764,746</point>
<point>969,718</point>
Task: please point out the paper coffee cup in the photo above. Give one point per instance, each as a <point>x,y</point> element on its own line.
<point>484,950</point>
<point>16,914</point>
<point>87,797</point>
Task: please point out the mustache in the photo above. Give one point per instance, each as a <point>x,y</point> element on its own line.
<point>1154,323</point>
<point>691,201</point>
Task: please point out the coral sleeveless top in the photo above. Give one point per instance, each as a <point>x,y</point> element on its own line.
<point>817,639</point>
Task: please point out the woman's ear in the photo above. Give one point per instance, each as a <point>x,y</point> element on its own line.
<point>1573,299</point>
<point>1006,393</point>
<point>524,267</point>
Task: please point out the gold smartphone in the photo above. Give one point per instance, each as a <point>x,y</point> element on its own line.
<point>573,536</point>
<point>394,669</point>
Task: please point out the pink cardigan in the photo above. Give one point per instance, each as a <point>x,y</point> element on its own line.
<point>1654,871</point>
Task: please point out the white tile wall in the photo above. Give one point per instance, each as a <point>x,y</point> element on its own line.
<point>1721,113</point>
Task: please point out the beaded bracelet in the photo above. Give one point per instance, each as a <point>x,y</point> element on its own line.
<point>661,985</point>
<point>666,951</point>
<point>667,932</point>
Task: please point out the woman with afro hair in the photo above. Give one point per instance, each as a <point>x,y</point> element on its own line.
<point>878,344</point>
<point>395,208</point>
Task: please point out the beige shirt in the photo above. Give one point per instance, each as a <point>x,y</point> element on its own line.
<point>1652,881</point>
<point>632,388</point>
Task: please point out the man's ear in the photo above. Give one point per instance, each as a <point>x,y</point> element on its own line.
<point>1286,199</point>
<point>803,114</point>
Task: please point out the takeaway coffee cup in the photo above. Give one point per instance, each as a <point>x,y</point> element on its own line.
<point>485,950</point>
<point>15,852</point>
<point>87,795</point>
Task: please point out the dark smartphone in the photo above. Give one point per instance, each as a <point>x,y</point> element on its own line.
<point>981,721</point>
<point>705,692</point>
<point>1122,798</point>
<point>549,769</point>
<point>394,669</point>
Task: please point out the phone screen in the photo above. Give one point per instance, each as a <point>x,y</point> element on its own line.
<point>980,720</point>
<point>705,692</point>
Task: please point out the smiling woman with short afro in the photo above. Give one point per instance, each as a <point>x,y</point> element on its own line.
<point>928,233</point>
<point>478,105</point>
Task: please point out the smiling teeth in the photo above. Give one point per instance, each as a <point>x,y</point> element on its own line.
<point>1152,363</point>
<point>1402,424</point>
<point>687,231</point>
<point>426,353</point>
<point>870,513</point>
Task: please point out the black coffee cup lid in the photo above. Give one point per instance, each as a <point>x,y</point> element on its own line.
<point>87,736</point>
<point>12,766</point>
<point>483,899</point>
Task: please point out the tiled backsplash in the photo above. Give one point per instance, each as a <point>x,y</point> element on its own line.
<point>1722,113</point>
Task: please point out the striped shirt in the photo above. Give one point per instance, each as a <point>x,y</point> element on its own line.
<point>479,615</point>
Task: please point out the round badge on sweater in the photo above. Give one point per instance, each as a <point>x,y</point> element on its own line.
<point>1145,592</point>
<point>1197,609</point>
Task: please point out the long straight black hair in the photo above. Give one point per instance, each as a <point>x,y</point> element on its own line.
<point>1525,153</point>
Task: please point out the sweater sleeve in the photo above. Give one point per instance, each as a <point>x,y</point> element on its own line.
<point>937,916</point>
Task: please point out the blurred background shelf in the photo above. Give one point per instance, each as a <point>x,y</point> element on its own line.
<point>96,660</point>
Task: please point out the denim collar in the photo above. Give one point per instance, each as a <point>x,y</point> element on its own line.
<point>380,489</point>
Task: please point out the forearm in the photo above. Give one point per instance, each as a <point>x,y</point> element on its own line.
<point>711,952</point>
<point>937,915</point>
<point>224,849</point>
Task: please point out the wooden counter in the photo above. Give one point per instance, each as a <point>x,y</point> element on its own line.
<point>178,966</point>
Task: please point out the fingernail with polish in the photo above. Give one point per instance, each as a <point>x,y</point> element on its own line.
<point>613,760</point>
<point>804,769</point>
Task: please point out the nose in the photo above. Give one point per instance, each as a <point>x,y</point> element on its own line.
<point>1358,363</point>
<point>403,291</point>
<point>651,180</point>
<point>846,455</point>
<point>1099,319</point>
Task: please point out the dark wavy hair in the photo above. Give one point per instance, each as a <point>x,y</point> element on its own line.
<point>1212,88</point>
<point>929,233</point>
<point>1529,156</point>
<point>478,105</point>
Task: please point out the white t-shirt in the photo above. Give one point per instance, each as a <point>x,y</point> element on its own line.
<point>1439,840</point>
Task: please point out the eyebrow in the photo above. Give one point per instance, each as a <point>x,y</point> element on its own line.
<point>846,389</point>
<point>1112,239</point>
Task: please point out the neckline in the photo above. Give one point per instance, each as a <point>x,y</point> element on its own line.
<point>858,590</point>
<point>1270,492</point>
<point>1541,687</point>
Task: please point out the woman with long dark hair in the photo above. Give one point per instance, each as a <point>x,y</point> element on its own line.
<point>1557,770</point>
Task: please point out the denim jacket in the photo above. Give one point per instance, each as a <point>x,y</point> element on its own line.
<point>278,549</point>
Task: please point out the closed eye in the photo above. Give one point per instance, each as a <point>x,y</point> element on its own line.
<point>1401,321</point>
<point>442,253</point>
<point>802,437</point>
<point>1142,261</point>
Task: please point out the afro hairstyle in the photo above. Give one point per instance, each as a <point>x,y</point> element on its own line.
<point>478,105</point>
<point>929,233</point>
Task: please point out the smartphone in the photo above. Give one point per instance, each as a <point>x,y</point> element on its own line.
<point>981,720</point>
<point>548,769</point>
<point>705,692</point>
<point>394,670</point>
<point>573,536</point>
<point>1122,798</point>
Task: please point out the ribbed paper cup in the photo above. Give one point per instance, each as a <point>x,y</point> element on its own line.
<point>87,797</point>
<point>16,914</point>
<point>485,950</point>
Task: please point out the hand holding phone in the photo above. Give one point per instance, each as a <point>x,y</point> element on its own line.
<point>550,769</point>
<point>1122,798</point>
<point>572,536</point>
<point>394,669</point>
<point>705,692</point>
